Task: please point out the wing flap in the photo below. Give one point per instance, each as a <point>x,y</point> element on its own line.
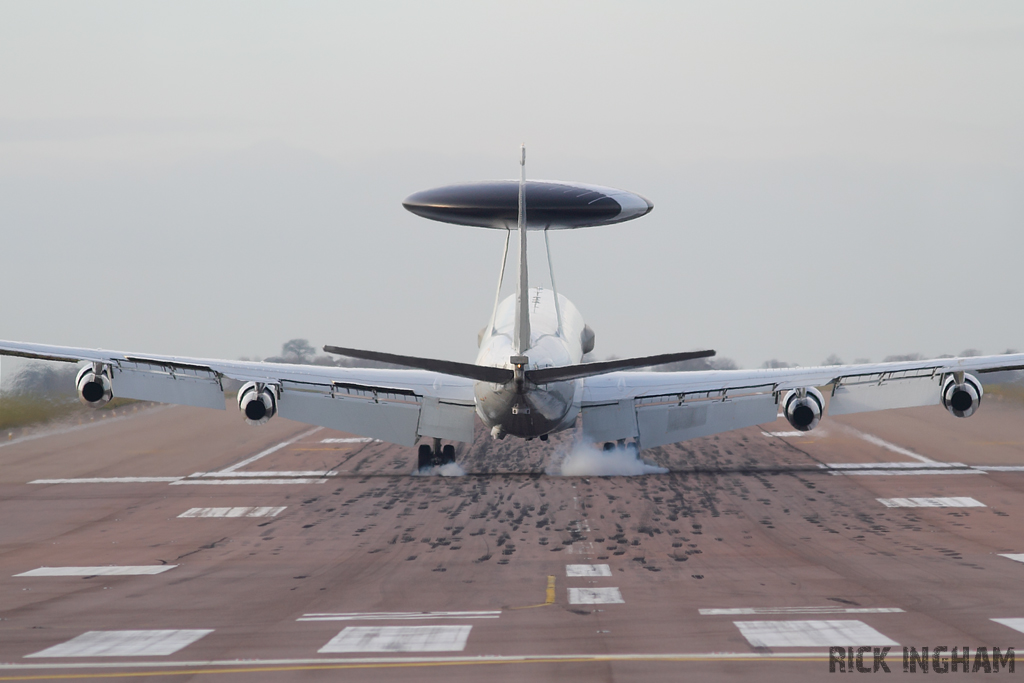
<point>380,415</point>
<point>190,387</point>
<point>864,394</point>
<point>664,423</point>
<point>443,420</point>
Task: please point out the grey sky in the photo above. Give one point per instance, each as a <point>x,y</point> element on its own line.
<point>215,178</point>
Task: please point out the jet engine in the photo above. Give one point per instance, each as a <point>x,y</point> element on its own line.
<point>93,385</point>
<point>962,398</point>
<point>803,408</point>
<point>258,402</point>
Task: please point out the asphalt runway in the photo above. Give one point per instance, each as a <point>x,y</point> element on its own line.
<point>284,552</point>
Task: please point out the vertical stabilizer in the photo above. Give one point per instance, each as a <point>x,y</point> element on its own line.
<point>522,329</point>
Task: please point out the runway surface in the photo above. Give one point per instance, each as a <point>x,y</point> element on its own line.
<point>180,544</point>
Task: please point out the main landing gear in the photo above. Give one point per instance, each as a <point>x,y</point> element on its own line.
<point>435,455</point>
<point>621,445</point>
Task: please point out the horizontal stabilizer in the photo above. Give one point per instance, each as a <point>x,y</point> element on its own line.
<point>479,373</point>
<point>567,372</point>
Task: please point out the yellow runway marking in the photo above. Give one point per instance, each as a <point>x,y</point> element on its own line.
<point>549,597</point>
<point>399,664</point>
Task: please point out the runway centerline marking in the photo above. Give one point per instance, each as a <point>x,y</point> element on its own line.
<point>930,502</point>
<point>244,480</point>
<point>358,439</point>
<point>111,570</point>
<point>272,449</point>
<point>824,609</point>
<point>268,473</point>
<point>824,633</point>
<point>595,596</point>
<point>397,616</point>
<point>574,570</point>
<point>882,443</point>
<point>399,639</point>
<point>124,643</point>
<point>109,480</point>
<point>233,512</point>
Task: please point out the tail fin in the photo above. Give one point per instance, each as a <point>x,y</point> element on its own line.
<point>521,342</point>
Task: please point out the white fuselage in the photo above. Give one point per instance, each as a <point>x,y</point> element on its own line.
<point>535,410</point>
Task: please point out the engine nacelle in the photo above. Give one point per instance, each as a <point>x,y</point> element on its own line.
<point>93,385</point>
<point>803,408</point>
<point>258,402</point>
<point>962,399</point>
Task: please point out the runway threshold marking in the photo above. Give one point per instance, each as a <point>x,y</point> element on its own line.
<point>272,449</point>
<point>822,633</point>
<point>397,616</point>
<point>576,570</point>
<point>824,609</point>
<point>595,596</point>
<point>549,596</point>
<point>962,502</point>
<point>398,639</point>
<point>233,512</point>
<point>143,570</point>
<point>124,643</point>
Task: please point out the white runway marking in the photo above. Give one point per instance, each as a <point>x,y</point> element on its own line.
<point>257,475</point>
<point>100,571</point>
<point>232,512</point>
<point>782,435</point>
<point>882,443</point>
<point>595,596</point>
<point>930,503</point>
<point>891,465</point>
<point>358,439</point>
<point>399,639</point>
<point>231,482</point>
<point>1000,468</point>
<point>810,633</point>
<point>904,472</point>
<point>717,657</point>
<point>825,609</point>
<point>396,616</point>
<point>109,480</point>
<point>1016,624</point>
<point>580,548</point>
<point>1018,558</point>
<point>587,570</point>
<point>124,644</point>
<point>272,449</point>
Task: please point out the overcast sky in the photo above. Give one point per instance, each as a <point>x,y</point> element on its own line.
<point>214,178</point>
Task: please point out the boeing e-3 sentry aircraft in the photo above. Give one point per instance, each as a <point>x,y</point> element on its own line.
<point>528,379</point>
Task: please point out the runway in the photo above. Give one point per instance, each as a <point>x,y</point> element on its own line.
<point>180,544</point>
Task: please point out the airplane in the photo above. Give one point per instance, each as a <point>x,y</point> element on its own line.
<point>529,379</point>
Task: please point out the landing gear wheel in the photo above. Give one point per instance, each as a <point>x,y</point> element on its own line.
<point>426,456</point>
<point>447,454</point>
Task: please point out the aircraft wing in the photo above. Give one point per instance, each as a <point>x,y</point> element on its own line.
<point>658,408</point>
<point>397,406</point>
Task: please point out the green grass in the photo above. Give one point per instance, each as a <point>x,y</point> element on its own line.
<point>21,410</point>
<point>1013,393</point>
